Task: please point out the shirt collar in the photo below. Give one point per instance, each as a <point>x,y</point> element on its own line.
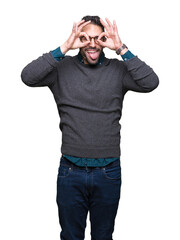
<point>101,59</point>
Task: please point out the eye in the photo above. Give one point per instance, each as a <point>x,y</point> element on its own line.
<point>83,39</point>
<point>103,39</point>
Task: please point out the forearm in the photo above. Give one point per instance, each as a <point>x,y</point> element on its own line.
<point>38,72</point>
<point>64,48</point>
<point>139,77</point>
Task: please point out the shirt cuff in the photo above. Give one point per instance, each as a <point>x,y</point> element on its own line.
<point>57,54</point>
<point>128,55</point>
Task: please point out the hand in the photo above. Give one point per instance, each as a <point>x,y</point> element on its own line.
<point>113,40</point>
<point>74,41</point>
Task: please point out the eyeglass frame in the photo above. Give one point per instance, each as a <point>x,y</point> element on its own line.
<point>95,39</point>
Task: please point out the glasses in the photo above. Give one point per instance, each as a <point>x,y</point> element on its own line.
<point>84,39</point>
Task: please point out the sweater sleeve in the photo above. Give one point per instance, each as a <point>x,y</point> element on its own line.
<point>40,72</point>
<point>139,77</point>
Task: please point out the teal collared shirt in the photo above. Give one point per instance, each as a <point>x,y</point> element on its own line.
<point>58,55</point>
<point>89,162</point>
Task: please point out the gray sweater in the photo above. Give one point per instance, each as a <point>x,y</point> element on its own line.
<point>89,99</point>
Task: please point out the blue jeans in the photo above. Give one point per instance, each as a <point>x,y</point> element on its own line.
<point>83,189</point>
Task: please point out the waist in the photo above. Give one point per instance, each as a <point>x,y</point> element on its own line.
<point>90,162</point>
<point>69,163</point>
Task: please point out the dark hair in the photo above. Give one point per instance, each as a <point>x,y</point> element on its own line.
<point>94,20</point>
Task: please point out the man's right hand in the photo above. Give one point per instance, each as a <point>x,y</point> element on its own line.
<point>74,41</point>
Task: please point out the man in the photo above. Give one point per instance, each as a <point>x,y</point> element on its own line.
<point>89,89</point>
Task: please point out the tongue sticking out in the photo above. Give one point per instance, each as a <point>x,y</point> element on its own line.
<point>93,55</point>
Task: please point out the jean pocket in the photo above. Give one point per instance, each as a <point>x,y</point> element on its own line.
<point>64,171</point>
<point>113,173</point>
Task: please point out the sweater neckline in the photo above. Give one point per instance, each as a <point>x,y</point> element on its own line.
<point>104,63</point>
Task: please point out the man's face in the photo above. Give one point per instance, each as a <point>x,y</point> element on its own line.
<point>91,53</point>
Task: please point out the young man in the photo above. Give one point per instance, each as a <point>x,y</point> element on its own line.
<point>89,89</point>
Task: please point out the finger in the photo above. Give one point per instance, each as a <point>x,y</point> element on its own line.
<point>115,26</point>
<point>79,23</point>
<point>103,44</point>
<point>109,23</point>
<point>84,24</point>
<point>85,35</point>
<point>84,44</point>
<point>87,39</point>
<point>103,34</point>
<point>74,26</point>
<point>103,23</point>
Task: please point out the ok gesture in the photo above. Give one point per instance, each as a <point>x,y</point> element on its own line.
<point>113,40</point>
<point>73,42</point>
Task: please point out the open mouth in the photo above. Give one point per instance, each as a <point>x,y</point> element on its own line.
<point>93,53</point>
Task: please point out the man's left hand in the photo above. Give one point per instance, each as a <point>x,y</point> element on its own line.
<point>113,40</point>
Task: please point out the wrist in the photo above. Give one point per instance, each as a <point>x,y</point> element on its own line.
<point>122,49</point>
<point>64,48</point>
<point>118,46</point>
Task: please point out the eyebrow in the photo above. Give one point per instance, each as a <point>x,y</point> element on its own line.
<point>91,36</point>
<point>94,36</point>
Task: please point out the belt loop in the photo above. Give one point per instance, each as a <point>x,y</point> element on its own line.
<point>86,166</point>
<point>71,165</point>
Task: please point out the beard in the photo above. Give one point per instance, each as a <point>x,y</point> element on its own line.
<point>91,55</point>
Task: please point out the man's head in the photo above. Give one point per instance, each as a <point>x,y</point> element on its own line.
<point>94,20</point>
<point>91,53</point>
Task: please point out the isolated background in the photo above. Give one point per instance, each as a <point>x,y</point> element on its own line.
<point>30,136</point>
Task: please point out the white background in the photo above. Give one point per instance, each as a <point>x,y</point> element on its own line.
<point>30,136</point>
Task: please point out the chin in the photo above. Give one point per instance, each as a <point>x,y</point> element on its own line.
<point>87,59</point>
<point>91,62</point>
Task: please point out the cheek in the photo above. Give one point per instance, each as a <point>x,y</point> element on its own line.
<point>99,47</point>
<point>82,51</point>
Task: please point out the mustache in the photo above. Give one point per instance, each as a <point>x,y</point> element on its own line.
<point>92,48</point>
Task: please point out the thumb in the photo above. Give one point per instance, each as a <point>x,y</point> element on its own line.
<point>84,44</point>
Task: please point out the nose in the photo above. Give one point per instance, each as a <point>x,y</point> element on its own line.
<point>92,43</point>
